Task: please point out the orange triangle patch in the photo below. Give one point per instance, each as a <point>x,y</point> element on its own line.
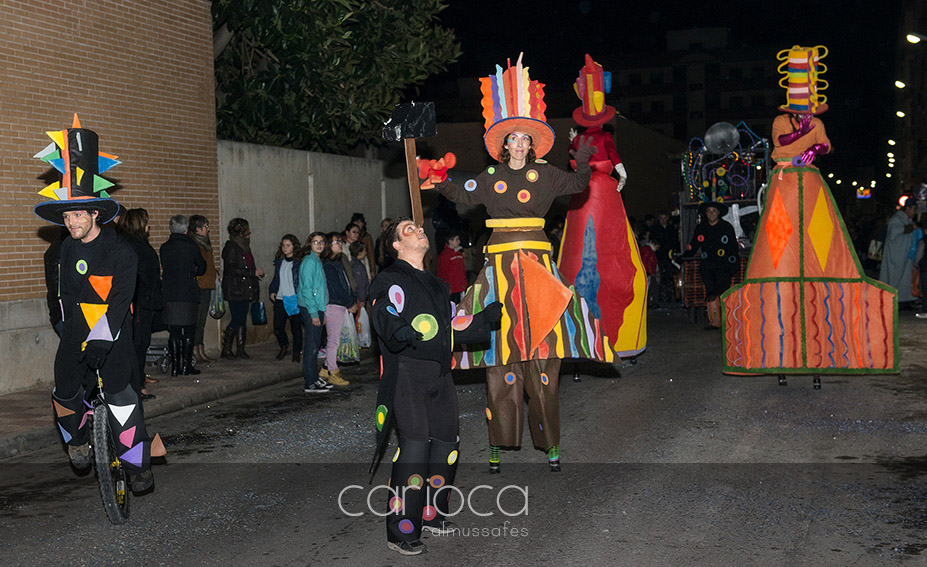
<point>102,285</point>
<point>62,411</point>
<point>157,446</point>
<point>545,298</point>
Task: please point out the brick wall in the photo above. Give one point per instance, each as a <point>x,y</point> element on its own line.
<point>140,74</point>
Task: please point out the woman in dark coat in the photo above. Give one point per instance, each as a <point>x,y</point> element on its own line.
<point>181,262</point>
<point>240,278</point>
<point>147,299</point>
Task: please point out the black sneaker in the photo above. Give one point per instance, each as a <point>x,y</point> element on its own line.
<point>80,456</point>
<point>442,528</point>
<point>316,388</point>
<point>408,547</point>
<point>142,483</point>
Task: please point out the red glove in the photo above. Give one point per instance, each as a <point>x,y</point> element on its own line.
<point>435,170</point>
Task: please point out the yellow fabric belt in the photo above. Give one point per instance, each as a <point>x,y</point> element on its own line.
<point>527,222</point>
<point>517,245</point>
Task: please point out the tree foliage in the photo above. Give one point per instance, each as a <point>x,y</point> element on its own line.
<point>322,75</point>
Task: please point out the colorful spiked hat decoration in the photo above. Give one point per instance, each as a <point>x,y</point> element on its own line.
<point>512,102</point>
<point>591,87</point>
<point>74,153</point>
<point>801,68</point>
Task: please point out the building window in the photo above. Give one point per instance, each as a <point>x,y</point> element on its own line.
<point>696,87</point>
<point>634,79</point>
<point>656,77</point>
<point>696,114</point>
<point>657,106</point>
<point>736,102</point>
<point>635,109</point>
<point>736,73</point>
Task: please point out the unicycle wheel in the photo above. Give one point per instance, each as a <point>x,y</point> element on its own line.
<point>112,476</point>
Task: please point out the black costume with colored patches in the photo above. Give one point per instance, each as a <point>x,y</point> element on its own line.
<point>719,255</point>
<point>97,282</point>
<point>416,387</point>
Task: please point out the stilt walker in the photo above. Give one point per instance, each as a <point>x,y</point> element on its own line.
<point>544,320</point>
<point>599,253</point>
<point>806,306</point>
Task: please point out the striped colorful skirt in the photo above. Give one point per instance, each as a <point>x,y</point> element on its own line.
<point>542,316</point>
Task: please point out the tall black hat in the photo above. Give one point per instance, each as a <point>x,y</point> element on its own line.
<point>75,154</point>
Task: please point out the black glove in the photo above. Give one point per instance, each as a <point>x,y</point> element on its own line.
<point>93,356</point>
<point>406,334</point>
<point>584,151</point>
<point>493,313</point>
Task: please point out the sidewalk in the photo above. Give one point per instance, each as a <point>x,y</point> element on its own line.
<point>27,421</point>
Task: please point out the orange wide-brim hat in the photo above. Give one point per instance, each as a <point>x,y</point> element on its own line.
<point>542,135</point>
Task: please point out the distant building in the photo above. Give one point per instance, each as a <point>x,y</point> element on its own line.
<point>910,149</point>
<point>699,80</point>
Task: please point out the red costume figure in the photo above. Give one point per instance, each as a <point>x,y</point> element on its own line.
<point>599,253</point>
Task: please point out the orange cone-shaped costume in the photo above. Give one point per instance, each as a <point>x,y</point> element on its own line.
<point>806,306</point>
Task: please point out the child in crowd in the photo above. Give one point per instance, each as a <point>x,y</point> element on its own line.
<point>312,297</point>
<point>342,299</point>
<point>358,250</point>
<point>451,267</point>
<point>283,296</point>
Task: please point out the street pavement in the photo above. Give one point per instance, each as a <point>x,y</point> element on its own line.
<point>672,463</point>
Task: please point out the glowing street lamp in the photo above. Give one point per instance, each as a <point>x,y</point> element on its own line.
<point>915,37</point>
<point>890,154</point>
<point>888,175</point>
<point>899,114</point>
<point>891,142</point>
<point>900,85</point>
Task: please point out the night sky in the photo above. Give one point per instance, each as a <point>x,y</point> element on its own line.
<point>860,35</point>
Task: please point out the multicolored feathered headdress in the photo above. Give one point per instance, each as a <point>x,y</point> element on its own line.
<point>801,68</point>
<point>591,87</point>
<point>512,102</point>
<point>74,153</point>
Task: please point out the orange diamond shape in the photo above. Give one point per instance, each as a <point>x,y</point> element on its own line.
<point>778,229</point>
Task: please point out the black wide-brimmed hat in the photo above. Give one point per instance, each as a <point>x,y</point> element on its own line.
<point>74,152</point>
<point>722,208</point>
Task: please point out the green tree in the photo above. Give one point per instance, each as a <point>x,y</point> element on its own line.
<point>321,75</point>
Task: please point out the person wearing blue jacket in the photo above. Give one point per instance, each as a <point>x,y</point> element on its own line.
<point>283,296</point>
<point>312,297</point>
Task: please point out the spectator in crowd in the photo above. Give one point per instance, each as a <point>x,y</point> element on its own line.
<point>181,262</point>
<point>649,250</point>
<point>451,266</point>
<point>666,235</point>
<point>312,296</point>
<point>382,258</point>
<point>358,255</point>
<point>361,222</point>
<point>240,280</point>
<point>342,299</point>
<point>896,260</point>
<point>283,296</point>
<point>199,232</point>
<point>147,299</point>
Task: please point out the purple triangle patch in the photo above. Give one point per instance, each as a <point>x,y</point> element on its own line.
<point>100,331</point>
<point>133,456</point>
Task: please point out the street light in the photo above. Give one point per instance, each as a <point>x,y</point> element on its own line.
<point>900,85</point>
<point>915,37</point>
<point>891,142</point>
<point>890,154</point>
<point>899,114</point>
<point>888,175</point>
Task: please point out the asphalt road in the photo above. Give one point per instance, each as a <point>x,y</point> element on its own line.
<point>672,463</point>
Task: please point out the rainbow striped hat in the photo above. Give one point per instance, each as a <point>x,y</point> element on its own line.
<point>512,102</point>
<point>801,68</point>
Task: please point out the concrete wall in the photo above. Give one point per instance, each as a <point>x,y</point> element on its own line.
<point>283,191</point>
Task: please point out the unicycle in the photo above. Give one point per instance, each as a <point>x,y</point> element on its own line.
<point>112,476</point>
